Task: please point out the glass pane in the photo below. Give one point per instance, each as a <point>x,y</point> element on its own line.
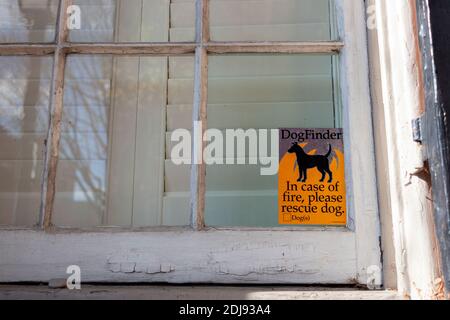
<point>262,92</point>
<point>24,119</point>
<point>272,20</point>
<point>135,21</point>
<point>111,171</point>
<point>28,20</point>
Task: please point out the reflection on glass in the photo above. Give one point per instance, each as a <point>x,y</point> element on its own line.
<point>272,20</point>
<point>112,164</point>
<point>135,21</point>
<point>28,20</point>
<point>262,92</point>
<point>24,119</point>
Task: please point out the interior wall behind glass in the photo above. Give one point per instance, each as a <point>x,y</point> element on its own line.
<point>112,156</point>
<point>24,120</point>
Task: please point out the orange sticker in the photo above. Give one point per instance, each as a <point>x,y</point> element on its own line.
<point>311,178</point>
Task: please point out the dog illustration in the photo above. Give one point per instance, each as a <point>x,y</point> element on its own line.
<point>306,161</point>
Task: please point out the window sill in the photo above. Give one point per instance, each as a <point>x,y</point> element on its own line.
<point>166,292</point>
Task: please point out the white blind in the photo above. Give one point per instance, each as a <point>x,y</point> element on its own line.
<point>135,21</point>
<point>272,20</point>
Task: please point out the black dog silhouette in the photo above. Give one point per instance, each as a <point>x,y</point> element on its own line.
<point>305,162</point>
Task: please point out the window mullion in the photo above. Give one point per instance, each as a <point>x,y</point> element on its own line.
<point>130,48</point>
<point>328,47</point>
<point>27,49</point>
<point>198,171</point>
<point>172,48</point>
<point>56,110</point>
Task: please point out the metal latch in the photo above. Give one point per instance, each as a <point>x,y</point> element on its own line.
<point>418,129</point>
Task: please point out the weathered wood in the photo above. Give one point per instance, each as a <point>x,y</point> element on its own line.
<point>62,30</point>
<point>130,48</point>
<point>198,169</point>
<point>204,20</point>
<point>170,292</point>
<point>27,49</point>
<point>262,257</point>
<point>56,107</point>
<point>172,48</point>
<point>274,47</point>
<point>219,256</point>
<point>382,158</point>
<point>432,17</point>
<point>358,140</point>
<point>398,98</point>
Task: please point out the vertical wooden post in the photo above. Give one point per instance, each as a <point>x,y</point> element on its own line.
<point>56,109</point>
<point>198,171</point>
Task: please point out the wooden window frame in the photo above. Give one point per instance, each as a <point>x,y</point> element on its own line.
<point>201,48</point>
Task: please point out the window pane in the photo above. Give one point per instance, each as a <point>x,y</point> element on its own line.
<point>135,21</point>
<point>112,154</point>
<point>272,20</point>
<point>28,20</point>
<point>24,119</point>
<point>262,92</point>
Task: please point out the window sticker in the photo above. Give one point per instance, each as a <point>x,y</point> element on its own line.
<point>311,178</point>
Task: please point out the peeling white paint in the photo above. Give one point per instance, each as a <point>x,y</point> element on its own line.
<point>201,257</point>
<point>398,95</point>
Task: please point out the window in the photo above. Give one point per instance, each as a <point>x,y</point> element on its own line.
<point>264,91</point>
<point>108,161</point>
<point>87,115</point>
<point>111,156</point>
